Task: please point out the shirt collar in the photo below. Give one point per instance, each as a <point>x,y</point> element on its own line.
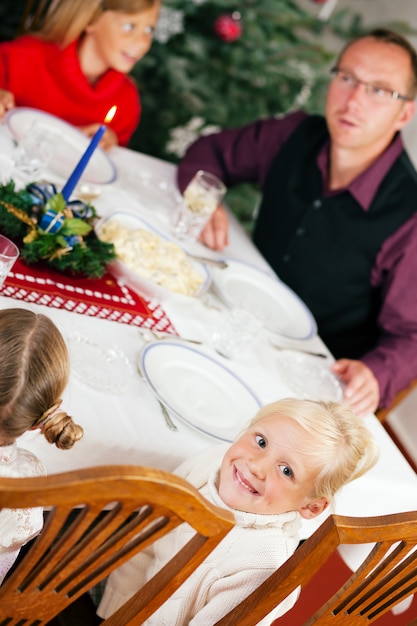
<point>364,187</point>
<point>8,453</point>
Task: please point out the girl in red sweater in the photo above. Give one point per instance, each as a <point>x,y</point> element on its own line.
<point>75,66</point>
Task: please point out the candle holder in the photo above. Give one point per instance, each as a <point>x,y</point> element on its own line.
<point>50,230</point>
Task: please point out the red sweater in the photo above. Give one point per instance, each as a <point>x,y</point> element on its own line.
<point>43,76</point>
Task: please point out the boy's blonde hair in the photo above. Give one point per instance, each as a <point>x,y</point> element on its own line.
<point>66,20</point>
<point>345,449</point>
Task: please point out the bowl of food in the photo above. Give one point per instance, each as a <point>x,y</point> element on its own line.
<point>150,262</point>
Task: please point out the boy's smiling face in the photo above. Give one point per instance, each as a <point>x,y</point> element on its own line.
<point>270,470</point>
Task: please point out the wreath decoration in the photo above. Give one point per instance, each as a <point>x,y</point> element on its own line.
<point>47,229</point>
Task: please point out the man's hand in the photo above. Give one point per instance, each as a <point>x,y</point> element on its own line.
<point>6,102</point>
<point>362,389</point>
<point>108,140</point>
<point>215,233</point>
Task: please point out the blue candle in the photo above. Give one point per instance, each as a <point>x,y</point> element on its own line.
<point>82,163</point>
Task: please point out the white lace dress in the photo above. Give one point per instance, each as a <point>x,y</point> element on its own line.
<point>17,527</point>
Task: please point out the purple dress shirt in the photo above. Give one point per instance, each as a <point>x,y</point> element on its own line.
<point>245,155</point>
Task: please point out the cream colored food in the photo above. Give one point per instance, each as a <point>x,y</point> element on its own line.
<point>198,200</point>
<point>153,258</point>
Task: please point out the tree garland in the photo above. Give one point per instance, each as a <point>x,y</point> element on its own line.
<point>47,229</point>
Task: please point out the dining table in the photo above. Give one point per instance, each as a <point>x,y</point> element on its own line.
<point>113,325</point>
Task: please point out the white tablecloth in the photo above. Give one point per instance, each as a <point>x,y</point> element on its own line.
<point>129,428</point>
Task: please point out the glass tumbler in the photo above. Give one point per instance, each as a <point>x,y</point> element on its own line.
<point>200,199</point>
<point>8,255</point>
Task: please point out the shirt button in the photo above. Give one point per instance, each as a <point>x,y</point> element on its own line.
<point>286,258</point>
<point>317,204</point>
<point>300,231</point>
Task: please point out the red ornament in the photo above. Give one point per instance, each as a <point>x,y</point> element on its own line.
<point>228,27</point>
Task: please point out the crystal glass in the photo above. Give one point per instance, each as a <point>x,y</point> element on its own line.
<point>235,333</point>
<point>309,377</point>
<point>200,199</point>
<point>103,367</point>
<point>8,255</point>
<point>34,151</point>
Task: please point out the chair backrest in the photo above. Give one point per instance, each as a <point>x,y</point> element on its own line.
<point>382,414</point>
<point>387,575</point>
<point>97,518</point>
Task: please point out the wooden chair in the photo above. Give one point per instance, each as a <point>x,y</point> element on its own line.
<point>398,398</point>
<point>97,519</point>
<point>383,413</point>
<point>386,576</point>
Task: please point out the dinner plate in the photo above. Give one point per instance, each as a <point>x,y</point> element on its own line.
<point>136,281</point>
<point>280,309</point>
<point>198,389</point>
<point>65,142</point>
<point>309,377</point>
<point>103,367</point>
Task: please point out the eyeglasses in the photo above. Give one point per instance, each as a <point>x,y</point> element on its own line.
<point>348,82</point>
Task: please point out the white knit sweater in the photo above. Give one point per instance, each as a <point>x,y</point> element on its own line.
<point>252,550</point>
<point>17,526</point>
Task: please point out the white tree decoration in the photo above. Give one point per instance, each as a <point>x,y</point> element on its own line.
<point>327,9</point>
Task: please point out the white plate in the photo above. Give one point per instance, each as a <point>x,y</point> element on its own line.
<point>67,144</point>
<point>264,295</point>
<point>105,368</point>
<point>198,389</point>
<point>134,280</point>
<point>309,377</point>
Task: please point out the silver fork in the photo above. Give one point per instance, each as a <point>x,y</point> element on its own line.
<point>167,417</point>
<point>208,261</point>
<point>321,355</point>
<point>150,335</point>
<point>164,410</point>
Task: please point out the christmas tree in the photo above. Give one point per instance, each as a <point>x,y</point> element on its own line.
<point>223,63</point>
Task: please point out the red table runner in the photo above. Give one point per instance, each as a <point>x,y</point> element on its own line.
<point>98,297</point>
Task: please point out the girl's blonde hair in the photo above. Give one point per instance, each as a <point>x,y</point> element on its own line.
<point>34,371</point>
<point>66,20</point>
<point>345,449</point>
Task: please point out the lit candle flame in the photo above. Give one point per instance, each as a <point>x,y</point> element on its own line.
<point>83,162</point>
<point>110,114</point>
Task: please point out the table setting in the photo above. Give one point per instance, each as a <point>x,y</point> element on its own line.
<point>141,351</point>
<point>43,140</point>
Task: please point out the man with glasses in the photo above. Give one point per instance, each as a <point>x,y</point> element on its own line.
<point>338,217</point>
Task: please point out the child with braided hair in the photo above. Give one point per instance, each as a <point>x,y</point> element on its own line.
<point>34,371</point>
